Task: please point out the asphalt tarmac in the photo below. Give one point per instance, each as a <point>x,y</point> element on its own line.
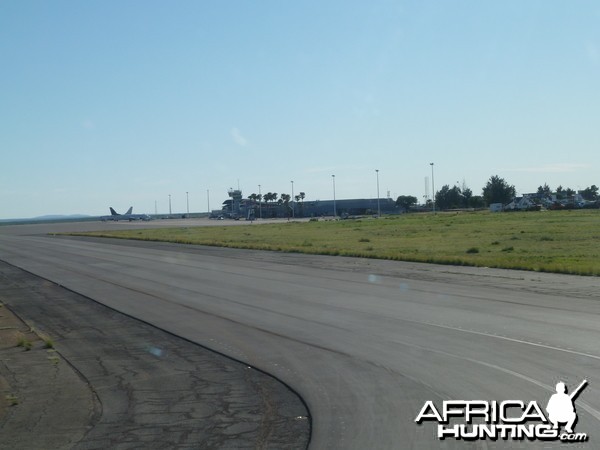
<point>113,382</point>
<point>365,343</point>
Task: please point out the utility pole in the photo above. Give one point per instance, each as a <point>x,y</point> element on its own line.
<point>293,205</point>
<point>187,195</point>
<point>378,207</point>
<point>259,202</point>
<point>432,188</point>
<point>334,209</point>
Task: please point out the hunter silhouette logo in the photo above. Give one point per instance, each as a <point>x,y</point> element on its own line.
<point>508,419</point>
<point>560,406</point>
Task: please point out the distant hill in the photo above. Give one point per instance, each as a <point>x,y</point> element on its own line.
<point>48,218</point>
<point>60,217</point>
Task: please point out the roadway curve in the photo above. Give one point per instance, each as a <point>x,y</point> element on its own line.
<point>364,342</point>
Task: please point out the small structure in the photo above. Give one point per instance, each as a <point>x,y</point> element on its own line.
<point>357,206</point>
<point>234,203</point>
<point>524,203</point>
<point>496,207</point>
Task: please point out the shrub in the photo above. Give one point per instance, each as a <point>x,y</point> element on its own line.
<point>26,344</point>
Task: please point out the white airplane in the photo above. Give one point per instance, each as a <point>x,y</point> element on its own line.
<point>127,216</point>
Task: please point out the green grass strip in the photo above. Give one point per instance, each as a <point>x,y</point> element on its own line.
<point>546,241</point>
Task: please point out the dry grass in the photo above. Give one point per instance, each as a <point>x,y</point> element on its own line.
<point>549,241</point>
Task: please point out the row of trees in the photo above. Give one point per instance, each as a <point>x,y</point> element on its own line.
<point>589,193</point>
<point>270,199</point>
<point>496,190</point>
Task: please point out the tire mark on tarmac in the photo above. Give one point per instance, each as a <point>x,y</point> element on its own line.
<point>274,268</point>
<point>506,338</point>
<point>521,341</point>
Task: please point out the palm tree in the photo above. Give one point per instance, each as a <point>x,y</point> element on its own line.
<point>270,197</point>
<point>252,198</point>
<point>302,195</point>
<point>285,200</point>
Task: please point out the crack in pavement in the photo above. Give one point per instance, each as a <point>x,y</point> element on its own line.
<point>154,390</point>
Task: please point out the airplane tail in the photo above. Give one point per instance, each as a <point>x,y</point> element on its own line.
<point>129,210</point>
<point>113,212</point>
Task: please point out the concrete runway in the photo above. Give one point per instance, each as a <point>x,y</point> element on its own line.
<point>364,342</point>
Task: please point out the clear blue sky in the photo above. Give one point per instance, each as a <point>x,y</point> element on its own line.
<point>112,103</point>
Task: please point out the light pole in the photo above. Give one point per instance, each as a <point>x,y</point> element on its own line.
<point>378,207</point>
<point>208,200</point>
<point>432,187</point>
<point>187,198</point>
<point>334,210</point>
<point>169,204</point>
<point>259,202</point>
<point>293,206</point>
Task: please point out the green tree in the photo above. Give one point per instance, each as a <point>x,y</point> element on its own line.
<point>476,202</point>
<point>302,196</point>
<point>497,190</point>
<point>544,191</point>
<point>285,198</point>
<point>449,197</point>
<point>590,193</point>
<point>467,195</point>
<point>269,197</point>
<point>406,201</point>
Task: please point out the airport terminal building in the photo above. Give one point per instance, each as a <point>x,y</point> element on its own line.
<point>238,207</point>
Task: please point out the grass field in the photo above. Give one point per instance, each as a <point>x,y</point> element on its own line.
<point>549,241</point>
